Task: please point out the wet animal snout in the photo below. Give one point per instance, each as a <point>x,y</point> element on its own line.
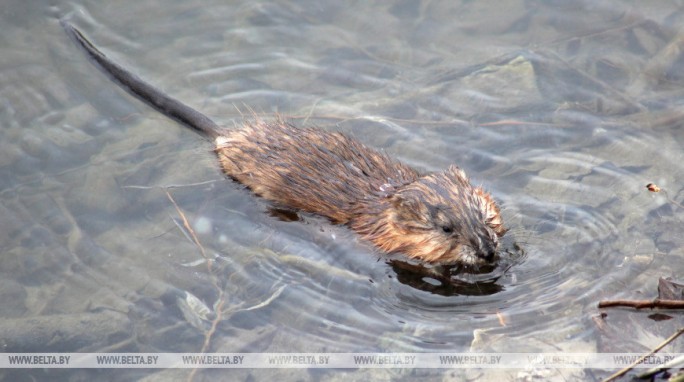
<point>487,255</point>
<point>487,250</point>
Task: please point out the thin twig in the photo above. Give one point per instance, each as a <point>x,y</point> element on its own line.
<point>642,358</point>
<point>677,363</point>
<point>210,333</point>
<point>218,308</point>
<point>168,186</point>
<point>187,226</point>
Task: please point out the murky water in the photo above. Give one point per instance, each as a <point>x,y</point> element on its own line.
<point>563,112</point>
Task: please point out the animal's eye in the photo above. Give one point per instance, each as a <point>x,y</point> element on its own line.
<point>447,229</point>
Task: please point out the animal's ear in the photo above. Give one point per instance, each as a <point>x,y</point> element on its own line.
<point>403,202</point>
<point>457,173</point>
<point>408,208</point>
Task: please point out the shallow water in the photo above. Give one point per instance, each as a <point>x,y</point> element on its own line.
<point>564,113</point>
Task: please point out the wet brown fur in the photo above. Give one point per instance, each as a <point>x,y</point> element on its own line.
<point>437,218</point>
<point>385,201</point>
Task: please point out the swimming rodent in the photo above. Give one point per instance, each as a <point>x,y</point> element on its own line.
<point>437,218</point>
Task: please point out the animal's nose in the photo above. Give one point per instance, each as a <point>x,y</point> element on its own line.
<point>487,252</point>
<point>486,256</point>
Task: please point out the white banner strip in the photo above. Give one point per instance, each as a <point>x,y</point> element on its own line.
<point>332,360</point>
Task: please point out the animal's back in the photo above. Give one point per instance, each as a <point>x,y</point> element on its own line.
<point>312,170</point>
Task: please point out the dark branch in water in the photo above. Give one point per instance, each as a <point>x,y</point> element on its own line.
<point>643,304</point>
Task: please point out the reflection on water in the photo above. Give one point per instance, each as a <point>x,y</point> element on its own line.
<point>417,276</point>
<point>562,113</point>
<point>461,280</point>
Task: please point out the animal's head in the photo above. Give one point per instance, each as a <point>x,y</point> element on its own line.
<point>440,218</point>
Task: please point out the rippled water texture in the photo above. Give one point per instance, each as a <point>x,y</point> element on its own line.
<point>119,232</point>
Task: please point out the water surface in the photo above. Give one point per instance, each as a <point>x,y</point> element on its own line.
<point>564,113</point>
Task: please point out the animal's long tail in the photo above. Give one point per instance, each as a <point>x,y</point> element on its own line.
<point>144,91</point>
